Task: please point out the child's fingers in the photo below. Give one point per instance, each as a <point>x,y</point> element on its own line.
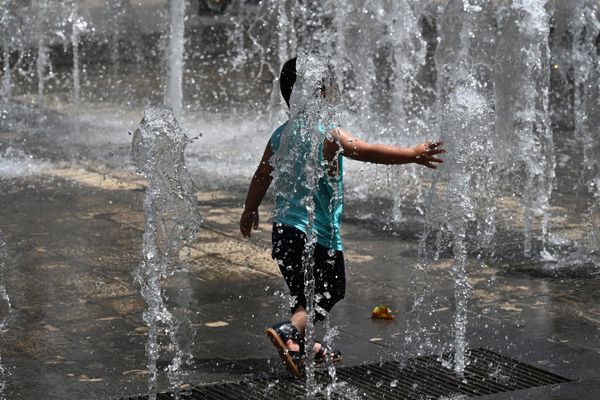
<point>246,224</point>
<point>245,229</point>
<point>430,162</point>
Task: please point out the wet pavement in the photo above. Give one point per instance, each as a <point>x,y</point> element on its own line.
<point>76,330</point>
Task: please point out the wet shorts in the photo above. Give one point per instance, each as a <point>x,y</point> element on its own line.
<point>329,273</point>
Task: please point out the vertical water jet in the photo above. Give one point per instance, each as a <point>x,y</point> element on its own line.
<point>171,219</point>
<point>522,111</point>
<point>6,34</point>
<point>407,51</point>
<point>42,47</point>
<point>77,26</point>
<point>587,116</point>
<point>464,60</point>
<point>117,10</point>
<point>175,51</point>
<point>299,173</point>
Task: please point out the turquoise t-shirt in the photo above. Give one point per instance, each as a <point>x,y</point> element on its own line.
<point>291,207</point>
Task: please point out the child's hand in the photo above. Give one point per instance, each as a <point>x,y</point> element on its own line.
<point>425,153</point>
<point>249,219</point>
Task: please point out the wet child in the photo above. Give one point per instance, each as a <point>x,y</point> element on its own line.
<point>295,220</point>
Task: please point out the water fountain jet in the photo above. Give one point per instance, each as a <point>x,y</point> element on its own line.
<point>298,155</point>
<point>175,50</point>
<point>171,219</point>
<point>465,120</point>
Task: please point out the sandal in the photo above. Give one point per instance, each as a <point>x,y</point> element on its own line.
<point>325,353</point>
<point>279,334</point>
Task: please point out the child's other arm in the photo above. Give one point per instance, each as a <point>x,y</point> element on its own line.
<point>256,192</point>
<point>360,150</point>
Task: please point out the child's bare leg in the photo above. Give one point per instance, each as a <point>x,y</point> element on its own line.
<point>298,319</point>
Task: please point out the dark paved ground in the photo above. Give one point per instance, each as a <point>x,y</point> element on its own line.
<point>76,330</point>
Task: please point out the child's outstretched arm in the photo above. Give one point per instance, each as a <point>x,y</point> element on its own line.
<point>424,153</point>
<point>256,192</point>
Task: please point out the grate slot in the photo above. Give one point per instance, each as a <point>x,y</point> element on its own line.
<point>384,389</point>
<point>407,384</point>
<point>480,385</point>
<point>223,392</point>
<point>491,372</point>
<point>377,375</point>
<point>421,383</point>
<point>483,379</point>
<point>363,381</point>
<point>396,373</point>
<point>425,385</point>
<point>519,377</point>
<point>243,387</point>
<point>259,388</point>
<point>214,393</point>
<point>536,373</point>
<point>390,372</point>
<point>287,388</point>
<point>437,372</point>
<point>242,390</point>
<point>408,387</point>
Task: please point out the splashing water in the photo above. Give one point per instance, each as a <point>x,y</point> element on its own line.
<point>171,219</point>
<point>15,163</point>
<point>334,386</point>
<point>465,120</point>
<point>78,25</point>
<point>7,26</point>
<point>297,161</point>
<point>587,115</point>
<point>42,61</point>
<point>522,114</point>
<point>174,88</point>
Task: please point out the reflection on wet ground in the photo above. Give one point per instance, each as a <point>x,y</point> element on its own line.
<point>73,238</point>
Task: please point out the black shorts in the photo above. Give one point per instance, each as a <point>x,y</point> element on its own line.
<point>329,272</point>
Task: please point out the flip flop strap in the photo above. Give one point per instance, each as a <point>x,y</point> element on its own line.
<point>325,350</point>
<point>287,331</point>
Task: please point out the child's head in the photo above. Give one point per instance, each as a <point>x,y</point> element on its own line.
<point>327,87</point>
<point>287,79</point>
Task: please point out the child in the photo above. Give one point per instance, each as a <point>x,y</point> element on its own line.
<point>291,218</point>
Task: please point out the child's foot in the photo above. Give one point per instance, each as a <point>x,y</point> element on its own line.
<point>290,345</point>
<point>281,335</point>
<point>324,353</point>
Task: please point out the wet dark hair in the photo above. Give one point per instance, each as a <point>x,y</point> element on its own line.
<point>287,79</point>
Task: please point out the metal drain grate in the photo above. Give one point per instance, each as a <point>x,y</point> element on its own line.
<point>418,378</point>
